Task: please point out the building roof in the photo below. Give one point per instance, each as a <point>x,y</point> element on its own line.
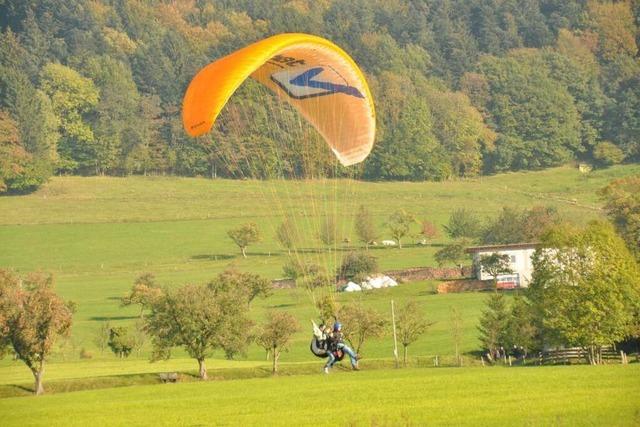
<point>511,246</point>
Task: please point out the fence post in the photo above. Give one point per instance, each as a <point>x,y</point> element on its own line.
<point>482,360</point>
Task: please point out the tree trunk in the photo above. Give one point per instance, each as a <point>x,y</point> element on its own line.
<point>404,357</point>
<point>242,249</point>
<point>203,369</point>
<point>399,244</point>
<point>276,356</point>
<point>38,375</point>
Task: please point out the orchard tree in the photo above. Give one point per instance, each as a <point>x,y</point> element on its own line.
<point>32,316</point>
<point>248,285</point>
<point>275,334</point>
<point>463,224</point>
<point>399,224</point>
<point>144,291</point>
<point>428,230</point>
<point>585,289</point>
<point>120,343</point>
<point>245,235</point>
<point>287,234</point>
<point>456,322</point>
<point>365,227</point>
<point>411,324</point>
<point>357,265</point>
<point>451,254</point>
<point>200,320</point>
<point>328,232</point>
<point>360,323</point>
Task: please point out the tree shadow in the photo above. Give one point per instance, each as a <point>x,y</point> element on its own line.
<point>212,257</point>
<point>282,305</point>
<point>108,318</point>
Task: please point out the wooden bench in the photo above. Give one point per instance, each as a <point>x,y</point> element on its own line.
<point>169,377</point>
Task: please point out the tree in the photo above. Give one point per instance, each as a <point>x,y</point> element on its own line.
<point>399,224</point>
<point>451,254</point>
<point>245,235</point>
<point>73,97</point>
<point>31,317</point>
<point>516,226</point>
<point>287,234</point>
<point>119,342</point>
<point>522,334</point>
<point>534,113</point>
<point>365,227</point>
<point>585,289</point>
<point>493,324</point>
<point>622,204</point>
<point>495,265</point>
<point>101,337</point>
<point>276,333</point>
<point>456,331</point>
<point>463,224</point>
<point>606,154</point>
<point>428,230</point>
<point>411,324</point>
<point>199,319</point>
<point>248,285</point>
<point>356,266</point>
<point>328,232</point>
<point>144,291</point>
<point>360,323</point>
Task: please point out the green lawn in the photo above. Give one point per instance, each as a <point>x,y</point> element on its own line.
<point>563,396</point>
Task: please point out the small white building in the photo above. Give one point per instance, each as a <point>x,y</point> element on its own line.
<point>520,257</point>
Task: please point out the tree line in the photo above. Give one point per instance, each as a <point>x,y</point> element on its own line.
<point>462,88</point>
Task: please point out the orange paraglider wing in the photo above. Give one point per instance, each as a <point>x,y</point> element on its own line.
<point>312,74</point>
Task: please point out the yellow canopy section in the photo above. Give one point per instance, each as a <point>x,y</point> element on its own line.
<point>312,74</point>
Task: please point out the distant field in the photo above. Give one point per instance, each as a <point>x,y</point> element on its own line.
<point>559,396</point>
<point>98,234</point>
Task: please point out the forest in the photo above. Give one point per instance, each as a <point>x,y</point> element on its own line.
<point>462,87</point>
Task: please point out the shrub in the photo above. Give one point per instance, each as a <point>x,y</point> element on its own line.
<point>357,265</point>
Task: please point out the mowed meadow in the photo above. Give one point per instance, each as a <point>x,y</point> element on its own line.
<point>558,396</point>
<point>96,235</point>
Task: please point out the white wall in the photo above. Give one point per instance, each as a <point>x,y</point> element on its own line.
<point>522,264</point>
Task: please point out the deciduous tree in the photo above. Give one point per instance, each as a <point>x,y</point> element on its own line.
<point>411,324</point>
<point>276,333</point>
<point>32,316</point>
<point>245,235</point>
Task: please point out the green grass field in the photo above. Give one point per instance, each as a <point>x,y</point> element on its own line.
<point>559,396</point>
<point>98,234</point>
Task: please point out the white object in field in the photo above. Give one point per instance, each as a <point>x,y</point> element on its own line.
<point>378,282</point>
<point>352,287</point>
<point>389,243</point>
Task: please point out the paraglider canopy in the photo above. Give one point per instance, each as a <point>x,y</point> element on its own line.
<point>310,73</point>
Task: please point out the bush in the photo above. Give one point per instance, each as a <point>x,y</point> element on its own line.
<point>85,354</point>
<point>606,154</point>
<point>356,265</point>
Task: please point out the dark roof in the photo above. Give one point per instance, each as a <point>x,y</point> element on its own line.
<point>473,249</point>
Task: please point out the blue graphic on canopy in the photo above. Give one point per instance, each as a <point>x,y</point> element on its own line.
<point>306,80</point>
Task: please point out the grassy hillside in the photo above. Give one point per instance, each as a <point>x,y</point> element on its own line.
<point>98,234</point>
<point>567,396</point>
